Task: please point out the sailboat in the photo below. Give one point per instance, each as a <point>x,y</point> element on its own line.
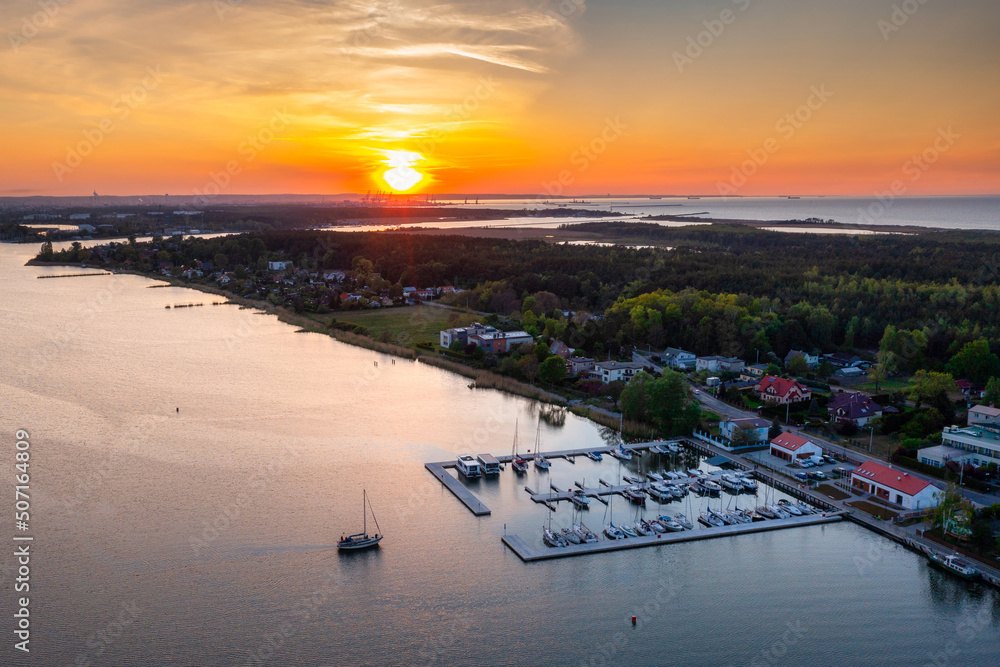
<point>362,540</point>
<point>518,462</point>
<point>540,462</point>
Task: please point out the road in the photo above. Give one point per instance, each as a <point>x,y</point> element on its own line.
<point>726,410</point>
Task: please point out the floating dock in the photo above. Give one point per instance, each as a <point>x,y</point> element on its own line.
<point>469,499</point>
<point>529,554</point>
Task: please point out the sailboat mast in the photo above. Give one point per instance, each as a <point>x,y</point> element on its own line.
<point>364,510</point>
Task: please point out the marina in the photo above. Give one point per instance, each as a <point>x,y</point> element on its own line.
<point>529,554</point>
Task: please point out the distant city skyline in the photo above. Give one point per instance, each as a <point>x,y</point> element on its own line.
<point>727,97</point>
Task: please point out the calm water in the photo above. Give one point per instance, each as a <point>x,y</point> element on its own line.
<point>277,435</point>
<point>945,212</point>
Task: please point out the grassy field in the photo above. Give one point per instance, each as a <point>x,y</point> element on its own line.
<point>408,325</point>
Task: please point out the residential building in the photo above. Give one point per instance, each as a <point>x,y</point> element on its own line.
<point>579,365</point>
<point>719,364</point>
<point>812,360</point>
<point>753,372</point>
<point>850,373</point>
<point>682,360</point>
<point>842,360</point>
<point>853,408</point>
<point>980,442</point>
<point>773,389</point>
<point>461,334</point>
<point>614,371</point>
<point>561,349</point>
<point>792,447</point>
<point>498,342</point>
<point>895,486</point>
<point>278,266</point>
<point>754,429</point>
<point>984,414</point>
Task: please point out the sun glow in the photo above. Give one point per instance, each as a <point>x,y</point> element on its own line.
<point>401,176</point>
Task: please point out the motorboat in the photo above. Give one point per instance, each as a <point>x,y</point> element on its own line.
<point>635,495</point>
<point>613,532</point>
<point>730,483</point>
<point>643,528</point>
<point>654,476</point>
<point>632,480</point>
<point>954,565</point>
<point>805,508</point>
<point>710,487</point>
<point>580,500</point>
<point>595,456</point>
<point>778,511</point>
<point>670,524</point>
<point>621,453</point>
<point>789,507</point>
<point>629,531</point>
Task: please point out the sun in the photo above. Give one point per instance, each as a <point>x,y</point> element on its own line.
<point>401,176</point>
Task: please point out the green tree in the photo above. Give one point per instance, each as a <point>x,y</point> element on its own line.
<point>456,346</point>
<point>879,372</point>
<point>925,384</point>
<point>975,362</point>
<point>635,397</point>
<point>528,366</point>
<point>542,352</point>
<point>552,370</point>
<point>992,396</point>
<point>46,253</point>
<point>774,431</point>
<point>797,365</point>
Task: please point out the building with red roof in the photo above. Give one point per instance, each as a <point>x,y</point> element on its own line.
<point>895,486</point>
<point>792,446</point>
<point>777,390</point>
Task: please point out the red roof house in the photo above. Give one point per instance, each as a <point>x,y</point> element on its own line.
<point>791,446</point>
<point>895,486</point>
<point>773,389</point>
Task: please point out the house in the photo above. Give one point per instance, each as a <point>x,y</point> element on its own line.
<point>895,486</point>
<point>278,266</point>
<point>981,443</point>
<point>719,364</point>
<point>754,429</point>
<point>498,342</point>
<point>579,365</point>
<point>984,414</point>
<point>408,291</point>
<point>780,391</point>
<point>423,294</point>
<point>682,360</point>
<point>841,360</point>
<point>850,373</point>
<point>754,372</point>
<point>614,371</point>
<point>461,334</point>
<point>334,276</point>
<point>853,408</point>
<point>561,349</point>
<point>792,447</point>
<point>448,289</point>
<point>812,360</point>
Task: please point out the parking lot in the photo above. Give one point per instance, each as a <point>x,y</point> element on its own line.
<point>819,473</point>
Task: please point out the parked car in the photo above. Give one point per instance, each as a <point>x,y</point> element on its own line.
<point>820,474</point>
<point>829,459</point>
<point>802,476</point>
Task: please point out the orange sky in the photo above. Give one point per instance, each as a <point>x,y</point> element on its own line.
<point>525,96</point>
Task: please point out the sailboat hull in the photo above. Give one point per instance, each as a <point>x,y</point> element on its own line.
<point>359,542</point>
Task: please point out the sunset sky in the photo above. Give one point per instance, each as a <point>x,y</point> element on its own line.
<point>499,96</point>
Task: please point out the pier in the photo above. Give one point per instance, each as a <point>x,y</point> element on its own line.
<point>467,497</point>
<point>529,554</point>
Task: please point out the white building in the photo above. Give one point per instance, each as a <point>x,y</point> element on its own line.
<point>719,364</point>
<point>984,414</point>
<point>754,428</point>
<point>980,443</point>
<point>895,486</point>
<point>675,357</point>
<point>278,266</point>
<point>462,334</point>
<point>614,371</point>
<point>579,365</point>
<point>939,455</point>
<point>792,447</point>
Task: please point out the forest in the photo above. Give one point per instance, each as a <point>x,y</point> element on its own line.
<point>714,289</point>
